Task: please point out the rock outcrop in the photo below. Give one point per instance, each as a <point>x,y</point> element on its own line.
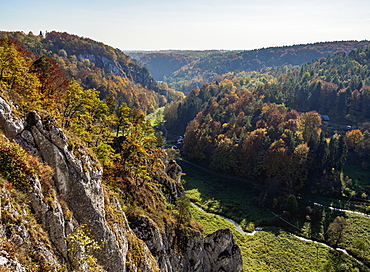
<point>132,70</point>
<point>77,182</point>
<point>221,252</point>
<point>216,252</point>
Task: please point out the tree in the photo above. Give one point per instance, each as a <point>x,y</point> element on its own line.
<point>222,158</point>
<point>123,119</point>
<point>310,123</point>
<point>76,103</point>
<point>183,205</point>
<point>336,230</point>
<point>252,153</point>
<point>139,154</point>
<point>353,138</point>
<point>14,76</point>
<point>90,118</point>
<point>53,79</point>
<point>81,246</point>
<point>300,166</point>
<point>292,204</point>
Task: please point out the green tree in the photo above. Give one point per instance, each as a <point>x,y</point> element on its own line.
<point>183,205</point>
<point>292,205</point>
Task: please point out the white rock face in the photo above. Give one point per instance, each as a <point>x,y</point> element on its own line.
<point>10,126</point>
<point>78,182</point>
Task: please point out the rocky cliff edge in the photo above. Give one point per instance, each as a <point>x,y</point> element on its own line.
<point>77,182</point>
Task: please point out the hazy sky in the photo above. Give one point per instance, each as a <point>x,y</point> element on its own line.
<point>193,24</point>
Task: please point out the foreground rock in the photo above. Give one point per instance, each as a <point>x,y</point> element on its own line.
<point>78,186</point>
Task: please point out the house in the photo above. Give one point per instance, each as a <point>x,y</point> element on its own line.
<point>324,117</point>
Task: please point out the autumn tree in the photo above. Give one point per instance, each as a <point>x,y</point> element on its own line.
<point>353,138</point>
<point>309,125</point>
<point>53,79</point>
<point>21,86</point>
<point>300,166</point>
<point>252,153</point>
<point>222,158</point>
<point>140,155</point>
<point>336,230</point>
<point>90,118</point>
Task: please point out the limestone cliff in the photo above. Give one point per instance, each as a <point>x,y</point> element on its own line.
<point>82,199</point>
<point>132,70</point>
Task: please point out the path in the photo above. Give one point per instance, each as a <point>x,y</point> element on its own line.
<point>238,228</point>
<point>341,210</point>
<point>258,185</point>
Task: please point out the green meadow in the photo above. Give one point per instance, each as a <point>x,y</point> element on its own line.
<point>273,248</point>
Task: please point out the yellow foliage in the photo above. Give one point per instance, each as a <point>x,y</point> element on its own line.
<point>353,138</point>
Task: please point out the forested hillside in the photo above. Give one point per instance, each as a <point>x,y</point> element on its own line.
<point>187,70</point>
<point>114,75</point>
<point>268,127</point>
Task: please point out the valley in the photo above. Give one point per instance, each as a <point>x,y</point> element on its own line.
<point>214,160</point>
<point>228,199</point>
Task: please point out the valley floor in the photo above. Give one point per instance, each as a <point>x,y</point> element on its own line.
<point>277,246</point>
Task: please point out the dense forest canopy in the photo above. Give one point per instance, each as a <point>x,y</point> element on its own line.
<point>268,126</point>
<point>84,96</point>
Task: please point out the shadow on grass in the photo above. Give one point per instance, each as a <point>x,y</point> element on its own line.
<point>230,198</point>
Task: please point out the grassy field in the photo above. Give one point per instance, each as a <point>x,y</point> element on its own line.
<point>156,118</point>
<point>233,199</point>
<point>272,249</point>
<point>357,174</point>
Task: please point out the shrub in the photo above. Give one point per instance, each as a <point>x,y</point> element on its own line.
<point>81,246</point>
<point>14,164</point>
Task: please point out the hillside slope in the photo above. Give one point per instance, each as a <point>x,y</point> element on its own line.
<point>71,200</point>
<point>190,69</point>
<point>99,66</point>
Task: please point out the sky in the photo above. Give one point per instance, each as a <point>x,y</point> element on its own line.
<point>193,24</point>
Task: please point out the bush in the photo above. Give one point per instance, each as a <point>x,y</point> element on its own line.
<point>15,164</point>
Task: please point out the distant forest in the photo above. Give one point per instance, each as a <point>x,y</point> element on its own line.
<point>185,70</point>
